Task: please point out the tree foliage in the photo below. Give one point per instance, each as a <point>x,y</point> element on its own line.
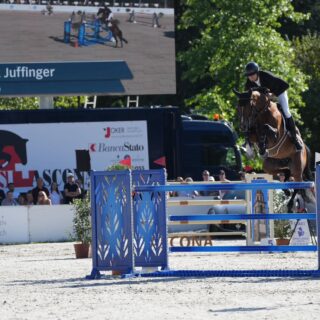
<point>308,59</point>
<point>231,33</point>
<point>18,103</point>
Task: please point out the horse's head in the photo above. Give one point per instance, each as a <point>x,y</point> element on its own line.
<point>244,110</point>
<point>250,104</point>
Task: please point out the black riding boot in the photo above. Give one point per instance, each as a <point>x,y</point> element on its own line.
<point>291,127</point>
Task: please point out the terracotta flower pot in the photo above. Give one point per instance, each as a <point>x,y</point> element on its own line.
<point>283,242</point>
<point>81,250</point>
<point>116,273</point>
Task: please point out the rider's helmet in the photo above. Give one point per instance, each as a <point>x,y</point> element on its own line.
<point>251,68</point>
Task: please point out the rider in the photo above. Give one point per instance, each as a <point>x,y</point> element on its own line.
<point>277,86</point>
<point>109,16</point>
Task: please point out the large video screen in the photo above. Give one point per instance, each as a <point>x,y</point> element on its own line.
<point>139,34</point>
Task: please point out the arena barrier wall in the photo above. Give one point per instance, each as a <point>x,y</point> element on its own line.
<point>25,224</point>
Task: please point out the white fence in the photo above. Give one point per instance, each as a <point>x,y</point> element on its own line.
<point>35,223</point>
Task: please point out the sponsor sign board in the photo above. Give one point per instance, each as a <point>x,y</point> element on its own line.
<point>48,150</point>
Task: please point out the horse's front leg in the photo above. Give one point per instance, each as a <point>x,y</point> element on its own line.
<point>262,143</point>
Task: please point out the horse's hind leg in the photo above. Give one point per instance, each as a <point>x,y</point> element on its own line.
<point>297,165</point>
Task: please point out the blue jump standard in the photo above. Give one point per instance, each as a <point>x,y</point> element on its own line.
<point>232,273</point>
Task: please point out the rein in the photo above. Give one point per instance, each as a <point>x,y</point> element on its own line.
<point>273,151</point>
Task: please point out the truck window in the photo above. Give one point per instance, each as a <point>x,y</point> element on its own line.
<point>209,146</point>
<point>209,155</point>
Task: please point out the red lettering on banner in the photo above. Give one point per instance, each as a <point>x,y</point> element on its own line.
<point>20,182</point>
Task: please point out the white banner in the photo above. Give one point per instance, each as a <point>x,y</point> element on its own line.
<point>47,150</point>
<point>301,234</point>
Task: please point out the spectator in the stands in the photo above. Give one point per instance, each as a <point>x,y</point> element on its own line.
<point>55,194</point>
<point>43,198</point>
<point>71,189</point>
<point>213,193</point>
<point>2,195</point>
<point>83,192</point>
<point>205,175</point>
<point>242,176</point>
<point>188,193</point>
<point>11,188</point>
<point>22,201</point>
<point>282,177</point>
<point>9,200</point>
<point>37,189</point>
<point>222,178</point>
<point>29,197</point>
<point>206,178</point>
<point>175,193</point>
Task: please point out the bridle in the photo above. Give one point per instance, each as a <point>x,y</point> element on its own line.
<point>249,121</point>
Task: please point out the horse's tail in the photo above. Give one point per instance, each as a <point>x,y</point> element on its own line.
<point>307,174</point>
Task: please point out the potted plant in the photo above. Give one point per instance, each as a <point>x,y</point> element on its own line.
<point>282,228</point>
<point>282,232</point>
<point>82,227</point>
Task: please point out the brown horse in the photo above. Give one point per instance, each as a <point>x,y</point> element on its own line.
<point>112,25</point>
<point>263,125</point>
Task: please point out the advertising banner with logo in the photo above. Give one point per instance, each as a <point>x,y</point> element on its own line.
<point>48,150</point>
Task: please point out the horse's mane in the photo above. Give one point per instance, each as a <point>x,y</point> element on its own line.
<point>262,90</point>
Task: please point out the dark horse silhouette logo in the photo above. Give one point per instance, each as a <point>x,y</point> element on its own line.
<point>13,150</point>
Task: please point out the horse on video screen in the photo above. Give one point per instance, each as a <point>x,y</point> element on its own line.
<point>112,24</point>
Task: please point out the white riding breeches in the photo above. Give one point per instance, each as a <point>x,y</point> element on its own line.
<point>283,100</point>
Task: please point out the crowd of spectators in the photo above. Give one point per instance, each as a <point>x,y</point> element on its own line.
<point>40,195</point>
<point>206,177</point>
<point>221,194</point>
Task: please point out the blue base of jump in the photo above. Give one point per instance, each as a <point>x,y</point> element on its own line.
<point>232,273</point>
<point>244,249</point>
<point>92,40</point>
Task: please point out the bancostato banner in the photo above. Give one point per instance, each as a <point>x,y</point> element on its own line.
<point>48,150</point>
